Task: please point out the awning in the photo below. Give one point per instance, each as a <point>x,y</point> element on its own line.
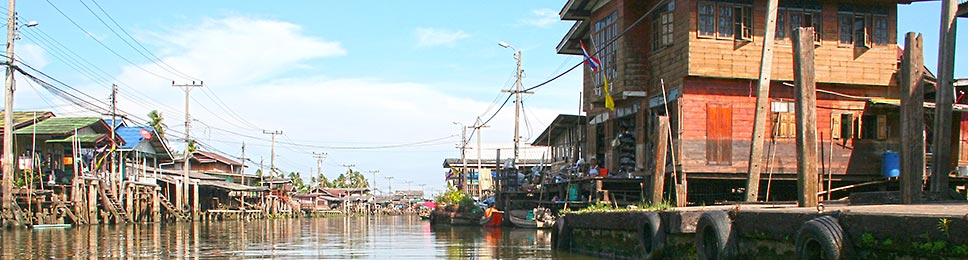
<point>229,186</point>
<point>897,102</point>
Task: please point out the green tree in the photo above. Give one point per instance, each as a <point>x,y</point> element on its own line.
<point>297,181</point>
<point>157,121</point>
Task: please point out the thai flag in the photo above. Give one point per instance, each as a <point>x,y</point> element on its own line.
<point>591,60</point>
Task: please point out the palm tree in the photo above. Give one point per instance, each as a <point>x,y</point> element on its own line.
<point>157,121</point>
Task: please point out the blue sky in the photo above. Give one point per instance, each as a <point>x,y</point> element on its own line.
<point>326,73</point>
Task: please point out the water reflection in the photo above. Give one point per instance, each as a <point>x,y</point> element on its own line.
<point>397,237</point>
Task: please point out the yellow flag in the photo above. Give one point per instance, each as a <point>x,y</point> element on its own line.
<point>609,102</point>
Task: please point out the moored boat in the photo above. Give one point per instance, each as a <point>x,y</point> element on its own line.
<point>536,218</point>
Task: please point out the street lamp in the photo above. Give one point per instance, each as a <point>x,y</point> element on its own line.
<point>463,157</point>
<point>517,99</point>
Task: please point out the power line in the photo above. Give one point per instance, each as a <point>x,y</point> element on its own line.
<point>79,27</point>
<point>161,61</point>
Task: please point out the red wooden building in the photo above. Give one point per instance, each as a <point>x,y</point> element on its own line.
<point>697,61</point>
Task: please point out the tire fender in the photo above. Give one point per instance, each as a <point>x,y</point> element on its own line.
<point>561,235</point>
<point>652,235</point>
<point>820,238</point>
<point>714,236</point>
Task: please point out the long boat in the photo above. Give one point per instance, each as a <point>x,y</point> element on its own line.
<point>541,219</point>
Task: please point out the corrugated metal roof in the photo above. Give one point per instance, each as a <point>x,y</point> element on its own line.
<point>62,125</point>
<point>131,135</point>
<point>21,118</point>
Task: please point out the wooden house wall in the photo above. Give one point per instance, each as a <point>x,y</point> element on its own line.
<point>835,62</point>
<point>860,157</point>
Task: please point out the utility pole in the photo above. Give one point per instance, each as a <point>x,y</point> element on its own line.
<point>374,172</point>
<point>272,155</point>
<point>319,165</point>
<point>8,114</point>
<point>477,127</point>
<point>389,186</point>
<point>762,105</point>
<point>463,157</point>
<point>186,166</point>
<point>114,123</point>
<point>944,99</point>
<point>517,100</point>
<point>242,158</point>
<point>349,167</point>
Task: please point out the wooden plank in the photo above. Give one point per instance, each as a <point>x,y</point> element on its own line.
<point>912,118</point>
<point>941,160</point>
<point>657,186</point>
<point>762,105</point>
<point>806,108</point>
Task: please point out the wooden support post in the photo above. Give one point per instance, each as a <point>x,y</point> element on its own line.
<point>762,106</point>
<point>657,185</point>
<point>156,204</point>
<point>944,98</point>
<point>912,118</point>
<point>92,202</point>
<point>195,207</point>
<point>805,92</point>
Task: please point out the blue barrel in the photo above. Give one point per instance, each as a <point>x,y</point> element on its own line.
<point>891,165</point>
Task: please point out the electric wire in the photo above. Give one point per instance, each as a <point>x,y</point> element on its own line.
<point>79,27</point>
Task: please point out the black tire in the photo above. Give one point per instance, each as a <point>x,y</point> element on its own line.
<point>820,238</point>
<point>561,235</point>
<point>652,235</point>
<point>714,240</point>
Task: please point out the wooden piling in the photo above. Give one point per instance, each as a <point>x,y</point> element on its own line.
<point>156,205</point>
<point>912,118</point>
<point>805,91</point>
<point>944,98</point>
<point>657,185</point>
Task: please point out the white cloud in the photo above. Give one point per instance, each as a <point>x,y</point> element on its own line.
<point>32,55</point>
<point>430,37</point>
<point>542,18</point>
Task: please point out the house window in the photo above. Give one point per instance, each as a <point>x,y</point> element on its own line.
<point>662,27</point>
<point>789,19</point>
<point>707,19</point>
<point>784,121</point>
<point>785,125</point>
<point>726,19</point>
<point>605,32</point>
<point>874,127</point>
<point>862,26</point>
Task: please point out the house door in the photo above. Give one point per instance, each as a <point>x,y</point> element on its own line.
<point>719,134</point>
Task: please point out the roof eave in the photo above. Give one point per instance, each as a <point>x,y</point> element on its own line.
<point>569,44</point>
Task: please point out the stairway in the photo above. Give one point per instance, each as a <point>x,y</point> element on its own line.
<point>70,213</point>
<point>171,208</point>
<point>110,201</point>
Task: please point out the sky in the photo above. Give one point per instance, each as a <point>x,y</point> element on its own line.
<point>374,84</point>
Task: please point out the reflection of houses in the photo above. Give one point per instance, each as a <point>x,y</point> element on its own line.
<point>698,61</point>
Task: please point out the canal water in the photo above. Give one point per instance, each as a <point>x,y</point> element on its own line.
<point>380,237</point>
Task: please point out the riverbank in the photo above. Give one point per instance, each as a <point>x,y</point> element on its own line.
<point>770,231</point>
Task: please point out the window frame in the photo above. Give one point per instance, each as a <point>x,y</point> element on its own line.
<point>663,27</point>
<point>604,30</point>
<point>785,24</point>
<point>872,23</point>
<point>739,23</point>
